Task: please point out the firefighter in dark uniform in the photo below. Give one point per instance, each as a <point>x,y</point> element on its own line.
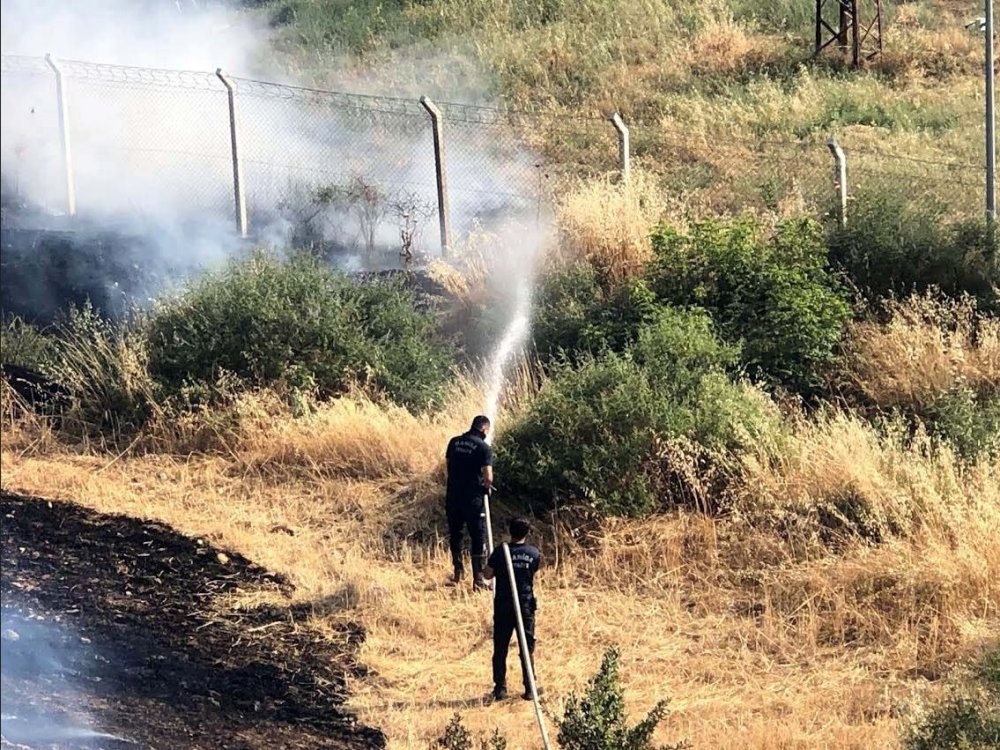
<point>525,559</point>
<point>470,476</point>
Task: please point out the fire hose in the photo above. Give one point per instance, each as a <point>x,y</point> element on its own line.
<point>489,527</point>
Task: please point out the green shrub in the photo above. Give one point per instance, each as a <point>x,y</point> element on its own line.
<point>774,294</point>
<point>894,246</point>
<point>677,349</point>
<point>968,718</point>
<point>457,737</point>
<point>576,313</point>
<point>595,431</point>
<point>968,421</point>
<point>24,345</point>
<point>300,324</point>
<point>588,435</point>
<point>597,720</point>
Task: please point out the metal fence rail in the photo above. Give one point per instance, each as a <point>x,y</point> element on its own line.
<point>361,171</point>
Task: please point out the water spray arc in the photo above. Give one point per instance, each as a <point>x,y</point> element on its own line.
<point>512,339</point>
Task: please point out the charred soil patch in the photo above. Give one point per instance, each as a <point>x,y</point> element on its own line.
<point>117,634</point>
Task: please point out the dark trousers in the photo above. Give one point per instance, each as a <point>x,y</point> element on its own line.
<point>505,626</point>
<point>468,514</point>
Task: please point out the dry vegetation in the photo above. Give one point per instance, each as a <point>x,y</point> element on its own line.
<point>608,225</point>
<point>726,105</point>
<point>765,634</point>
<point>927,347</point>
<point>851,568</point>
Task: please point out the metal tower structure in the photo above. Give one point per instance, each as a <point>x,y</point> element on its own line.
<point>854,26</point>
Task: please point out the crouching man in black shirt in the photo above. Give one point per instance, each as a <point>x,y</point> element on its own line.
<point>470,476</point>
<point>526,559</point>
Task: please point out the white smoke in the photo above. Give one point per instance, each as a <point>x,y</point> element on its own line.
<point>158,146</point>
<point>35,652</point>
<point>152,153</point>
<point>145,33</point>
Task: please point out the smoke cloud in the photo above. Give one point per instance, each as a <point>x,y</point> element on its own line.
<point>178,34</point>
<point>151,151</point>
<point>40,655</point>
<point>152,165</point>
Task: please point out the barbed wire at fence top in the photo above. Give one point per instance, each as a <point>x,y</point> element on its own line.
<point>491,149</point>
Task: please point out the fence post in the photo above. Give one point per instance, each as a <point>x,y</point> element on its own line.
<point>67,152</point>
<point>840,179</point>
<point>444,221</point>
<point>241,201</point>
<point>991,140</point>
<point>623,147</point>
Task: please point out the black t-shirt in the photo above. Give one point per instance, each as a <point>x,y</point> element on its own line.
<point>466,456</point>
<point>525,559</point>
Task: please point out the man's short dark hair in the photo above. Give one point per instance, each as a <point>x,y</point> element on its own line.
<point>519,528</point>
<point>478,423</point>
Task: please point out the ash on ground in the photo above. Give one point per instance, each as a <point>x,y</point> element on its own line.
<point>114,636</point>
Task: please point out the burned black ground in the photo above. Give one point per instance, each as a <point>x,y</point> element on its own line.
<point>117,634</point>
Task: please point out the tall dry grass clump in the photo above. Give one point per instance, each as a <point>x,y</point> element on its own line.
<point>23,429</point>
<point>357,437</point>
<point>860,483</point>
<point>465,276</point>
<point>913,529</point>
<point>843,537</point>
<point>928,347</point>
<point>723,46</point>
<point>609,224</point>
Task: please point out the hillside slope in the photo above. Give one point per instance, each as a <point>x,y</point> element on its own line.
<point>723,97</point>
<point>758,642</point>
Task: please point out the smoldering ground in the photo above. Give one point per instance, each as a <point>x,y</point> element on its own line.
<point>48,655</point>
<point>116,633</point>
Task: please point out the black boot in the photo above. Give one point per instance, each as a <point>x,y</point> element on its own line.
<point>478,582</point>
<point>459,569</point>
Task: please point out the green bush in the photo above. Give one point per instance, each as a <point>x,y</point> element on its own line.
<point>968,718</point>
<point>24,345</point>
<point>594,721</point>
<point>597,720</point>
<point>576,313</point>
<point>774,294</point>
<point>967,420</point>
<point>894,246</point>
<point>678,348</point>
<point>588,435</point>
<point>457,737</point>
<point>595,432</point>
<point>298,323</point>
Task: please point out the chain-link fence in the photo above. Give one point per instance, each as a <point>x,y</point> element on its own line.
<point>359,171</point>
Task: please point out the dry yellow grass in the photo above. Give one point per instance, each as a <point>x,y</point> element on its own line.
<point>761,643</point>
<point>723,46</point>
<point>608,224</point>
<point>928,347</point>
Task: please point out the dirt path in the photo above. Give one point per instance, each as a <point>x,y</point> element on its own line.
<point>117,634</point>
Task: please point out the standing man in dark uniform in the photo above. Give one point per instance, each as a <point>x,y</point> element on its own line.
<point>470,477</point>
<point>525,558</point>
